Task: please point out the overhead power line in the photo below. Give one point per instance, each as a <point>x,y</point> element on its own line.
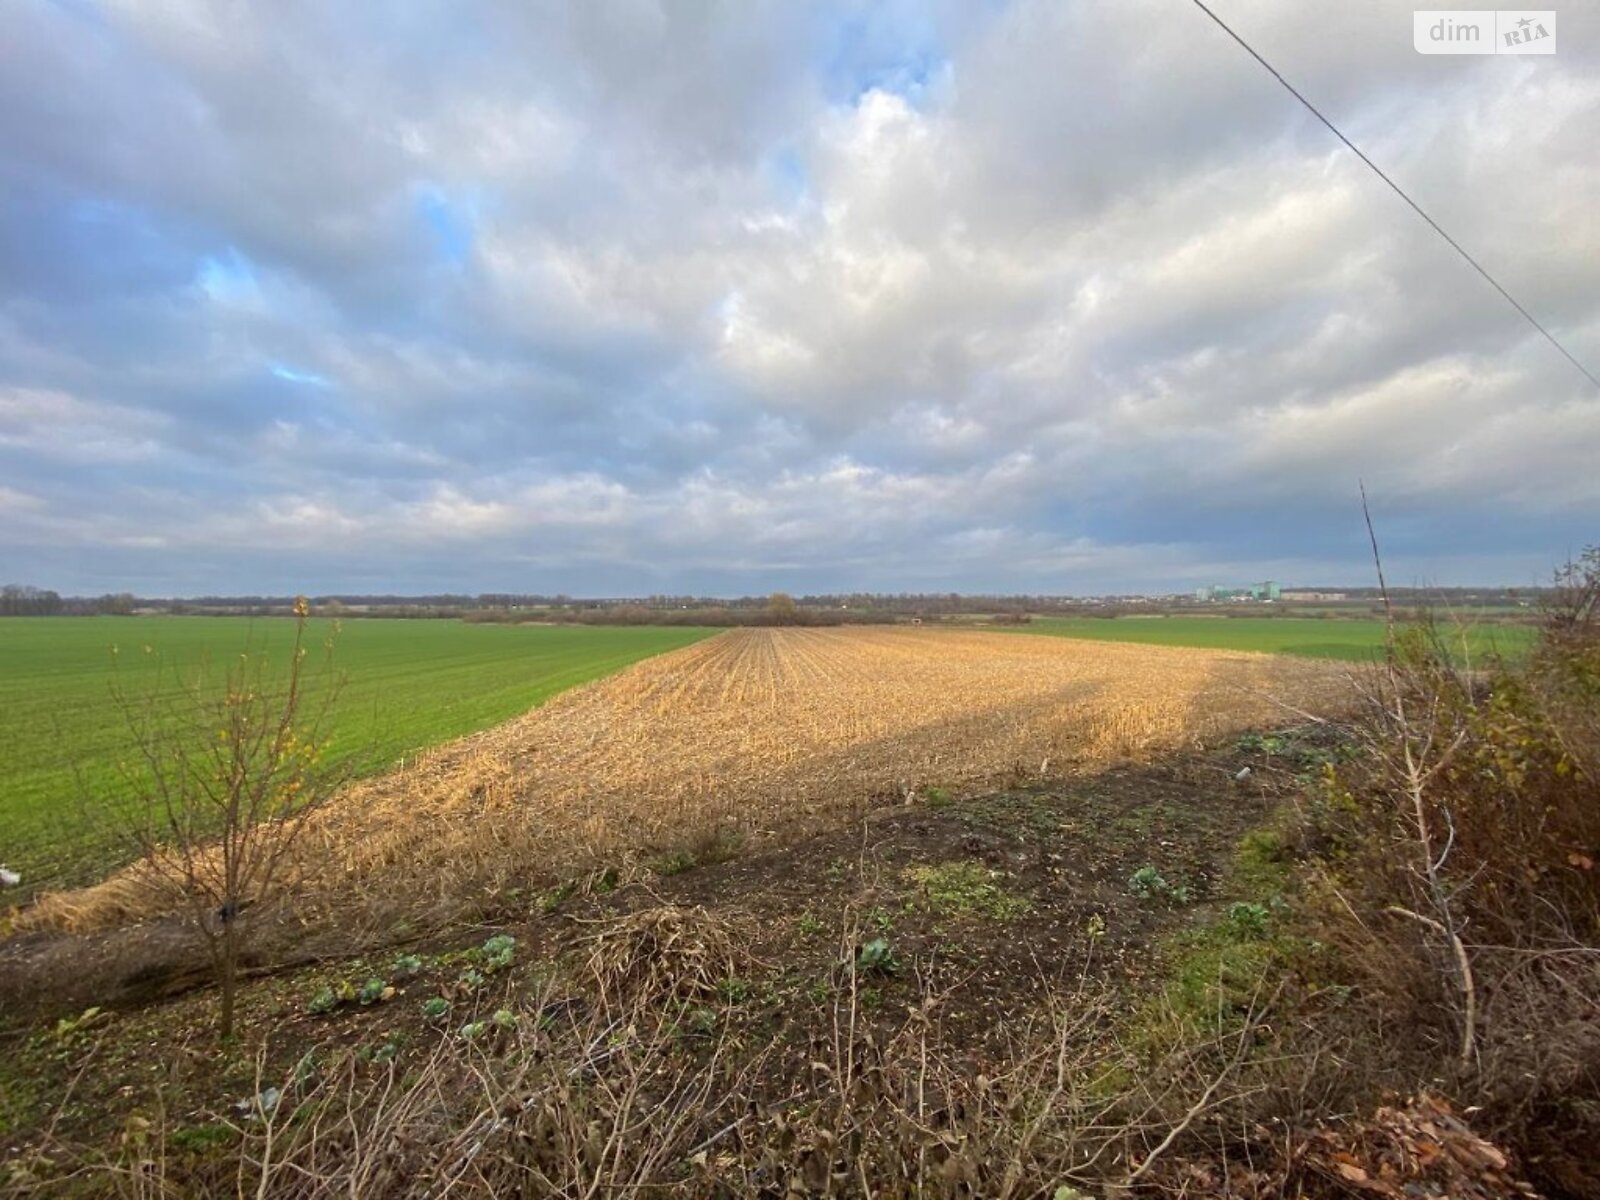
<point>1399,191</point>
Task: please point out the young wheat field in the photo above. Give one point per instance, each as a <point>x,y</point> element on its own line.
<point>755,734</point>
<point>411,684</point>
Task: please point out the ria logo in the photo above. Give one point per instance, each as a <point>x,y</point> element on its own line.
<point>1484,31</point>
<point>1528,30</point>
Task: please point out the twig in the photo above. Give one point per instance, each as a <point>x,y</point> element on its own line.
<point>1469,992</point>
<point>1196,1109</point>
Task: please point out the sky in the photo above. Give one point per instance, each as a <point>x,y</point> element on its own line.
<point>634,297</point>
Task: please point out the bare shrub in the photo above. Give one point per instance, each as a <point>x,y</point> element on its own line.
<point>1457,861</point>
<point>221,786</point>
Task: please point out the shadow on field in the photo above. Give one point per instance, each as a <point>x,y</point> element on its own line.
<point>1066,844</point>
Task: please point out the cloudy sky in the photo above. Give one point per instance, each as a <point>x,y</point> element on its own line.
<point>640,296</point>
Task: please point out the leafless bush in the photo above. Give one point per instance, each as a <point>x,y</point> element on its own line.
<point>1457,855</point>
<point>222,784</point>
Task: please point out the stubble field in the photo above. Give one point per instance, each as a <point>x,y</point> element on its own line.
<point>752,736</point>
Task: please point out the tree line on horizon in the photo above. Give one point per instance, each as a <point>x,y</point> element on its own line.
<point>18,600</point>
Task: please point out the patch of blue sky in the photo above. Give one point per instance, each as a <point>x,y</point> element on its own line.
<point>297,376</point>
<point>790,177</point>
<point>449,220</point>
<point>89,11</point>
<point>891,49</point>
<point>909,78</point>
<point>228,277</point>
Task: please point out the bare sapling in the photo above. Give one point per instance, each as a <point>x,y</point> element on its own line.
<point>222,783</point>
<point>1423,745</point>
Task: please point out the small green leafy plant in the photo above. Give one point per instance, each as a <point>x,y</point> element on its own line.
<point>374,991</point>
<point>385,1051</point>
<point>1249,919</point>
<point>68,1027</point>
<point>1260,743</point>
<point>390,1049</point>
<point>552,900</point>
<point>877,957</point>
<point>1149,884</point>
<point>498,952</point>
<point>200,1139</point>
<point>967,889</point>
<point>676,863</point>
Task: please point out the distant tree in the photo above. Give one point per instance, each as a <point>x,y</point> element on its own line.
<point>221,787</point>
<point>782,609</point>
<point>20,600</point>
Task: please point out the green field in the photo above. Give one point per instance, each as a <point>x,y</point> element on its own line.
<point>408,684</point>
<point>1350,640</point>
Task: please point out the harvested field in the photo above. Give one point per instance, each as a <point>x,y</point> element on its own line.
<point>758,734</point>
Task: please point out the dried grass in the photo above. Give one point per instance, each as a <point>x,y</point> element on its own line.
<point>660,955</point>
<point>612,1089</point>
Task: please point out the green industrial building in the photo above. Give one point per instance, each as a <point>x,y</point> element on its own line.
<point>1266,590</point>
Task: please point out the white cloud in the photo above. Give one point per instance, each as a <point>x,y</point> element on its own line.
<point>55,425</point>
<point>1049,293</point>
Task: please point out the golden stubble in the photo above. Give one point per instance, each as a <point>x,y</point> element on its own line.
<point>763,733</point>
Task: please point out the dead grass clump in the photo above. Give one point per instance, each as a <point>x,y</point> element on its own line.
<point>126,898</point>
<point>661,956</point>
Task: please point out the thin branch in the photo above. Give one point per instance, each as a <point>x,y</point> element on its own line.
<point>1469,991</point>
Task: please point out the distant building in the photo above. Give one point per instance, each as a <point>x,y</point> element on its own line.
<point>1315,596</point>
<point>1267,590</point>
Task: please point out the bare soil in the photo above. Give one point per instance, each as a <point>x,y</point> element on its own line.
<point>1058,856</point>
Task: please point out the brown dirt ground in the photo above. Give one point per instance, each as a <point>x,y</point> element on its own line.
<point>1066,848</point>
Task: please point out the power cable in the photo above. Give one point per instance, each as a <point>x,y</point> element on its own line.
<point>1399,191</point>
